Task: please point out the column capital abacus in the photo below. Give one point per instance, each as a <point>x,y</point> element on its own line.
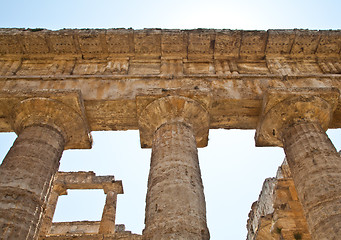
<point>60,190</point>
<point>61,110</point>
<point>115,187</point>
<point>161,110</point>
<point>284,107</point>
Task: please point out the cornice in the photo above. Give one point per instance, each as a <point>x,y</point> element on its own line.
<point>172,43</point>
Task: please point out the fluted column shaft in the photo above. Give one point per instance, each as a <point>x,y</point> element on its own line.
<point>46,123</point>
<point>26,176</point>
<point>175,204</point>
<point>297,119</point>
<point>316,169</point>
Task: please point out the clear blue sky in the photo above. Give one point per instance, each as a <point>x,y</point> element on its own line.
<point>260,14</point>
<point>233,170</point>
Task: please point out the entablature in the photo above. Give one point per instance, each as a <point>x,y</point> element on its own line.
<point>112,67</point>
<point>110,101</point>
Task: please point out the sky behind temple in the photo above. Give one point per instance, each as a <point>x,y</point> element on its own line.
<point>233,170</point>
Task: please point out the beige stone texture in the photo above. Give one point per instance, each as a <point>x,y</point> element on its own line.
<point>87,180</point>
<point>260,219</point>
<point>62,110</point>
<point>175,204</point>
<point>112,67</point>
<point>298,121</point>
<point>82,230</point>
<point>107,225</point>
<point>278,213</point>
<point>177,84</point>
<point>190,109</point>
<point>283,108</point>
<point>45,127</point>
<point>316,171</point>
<point>25,179</point>
<point>87,230</point>
<point>46,223</point>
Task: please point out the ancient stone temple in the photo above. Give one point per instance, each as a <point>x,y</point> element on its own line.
<point>173,86</point>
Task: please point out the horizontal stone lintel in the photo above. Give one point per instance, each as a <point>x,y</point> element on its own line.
<point>110,101</point>
<point>87,180</point>
<point>87,230</point>
<point>196,43</point>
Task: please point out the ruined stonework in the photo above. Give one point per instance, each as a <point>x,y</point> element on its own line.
<point>278,213</point>
<point>104,229</point>
<point>173,86</point>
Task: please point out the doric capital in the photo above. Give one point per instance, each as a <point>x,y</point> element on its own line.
<point>61,110</point>
<point>171,109</point>
<point>283,108</point>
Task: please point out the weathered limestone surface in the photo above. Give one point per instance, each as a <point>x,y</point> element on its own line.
<point>87,180</point>
<point>107,225</point>
<point>278,213</point>
<point>45,127</point>
<point>50,209</point>
<point>87,230</point>
<point>316,172</point>
<point>60,109</point>
<point>81,230</point>
<point>25,180</point>
<point>73,228</point>
<point>283,108</point>
<point>175,203</point>
<point>298,121</point>
<point>121,74</point>
<point>111,67</point>
<point>174,107</point>
<point>260,220</point>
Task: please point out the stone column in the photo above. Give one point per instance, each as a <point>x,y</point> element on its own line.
<point>297,120</point>
<point>25,179</point>
<point>175,203</point>
<point>44,127</point>
<point>50,209</point>
<point>107,225</point>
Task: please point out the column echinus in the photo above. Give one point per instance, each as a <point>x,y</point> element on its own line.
<point>296,119</point>
<point>175,204</point>
<point>46,122</point>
